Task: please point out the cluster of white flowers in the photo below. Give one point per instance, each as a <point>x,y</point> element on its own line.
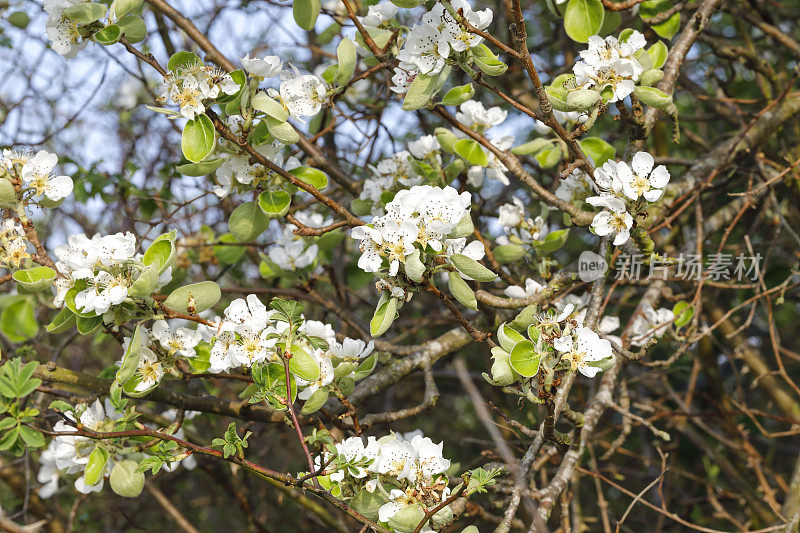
<point>650,323</point>
<point>387,175</point>
<point>558,337</point>
<point>190,85</point>
<point>35,174</point>
<point>402,470</point>
<point>475,116</point>
<point>71,453</point>
<point>13,244</point>
<point>68,454</point>
<point>250,333</point>
<point>610,63</point>
<point>619,183</point>
<point>429,43</point>
<point>417,219</point>
<point>302,94</point>
<point>293,252</point>
<point>158,349</point>
<point>237,169</point>
<point>61,30</point>
<point>519,228</point>
<point>102,269</point>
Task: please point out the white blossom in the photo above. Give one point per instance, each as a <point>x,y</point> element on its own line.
<point>609,63</point>
<point>613,220</point>
<point>583,347</point>
<point>37,173</point>
<point>475,116</point>
<point>265,67</point>
<point>302,94</point>
<point>61,30</point>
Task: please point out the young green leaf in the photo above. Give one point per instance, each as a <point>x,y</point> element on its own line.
<point>198,138</point>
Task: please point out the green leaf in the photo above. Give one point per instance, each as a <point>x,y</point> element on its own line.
<point>266,104</point>
<point>18,322</point>
<point>314,177</point>
<point>652,96</point>
<point>447,139</point>
<point>367,503</point>
<point>491,66</point>
<point>658,54</point>
<point>459,95</point>
<point>471,268</point>
<point>508,337</point>
<point>283,131</point>
<point>181,58</point>
<point>197,141</point>
<point>461,291</point>
<point>124,7</point>
<point>420,92</point>
<point>108,35</point>
<point>88,325</point>
<point>303,365</point>
<point>652,8</point>
<point>248,221</point>
<point>146,283</point>
<point>96,465</point>
<point>549,158</point>
<point>508,253</point>
<point>407,4</point>
<point>346,56</point>
<point>19,19</point>
<point>583,18</point>
<point>33,439</point>
<point>8,196</point>
<point>558,99</point>
<point>383,317</point>
<point>161,254</point>
<point>471,151</point>
<point>532,147</point>
<point>64,320</point>
<point>201,296</point>
<point>611,22</point>
<point>86,13</point>
<point>200,169</point>
<point>524,359</point>
<point>34,279</point>
<point>315,401</point>
<point>552,242</point>
<point>274,204</point>
<point>226,253</point>
<point>598,149</point>
<point>650,78</point>
<point>130,359</point>
<point>464,228</point>
<point>9,438</point>
<point>683,312</point>
<point>305,13</point>
<point>125,480</point>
